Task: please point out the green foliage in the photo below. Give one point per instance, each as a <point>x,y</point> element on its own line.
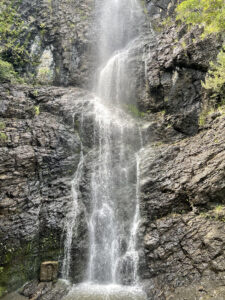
<point>202,118</point>
<point>209,13</point>
<point>3,136</point>
<point>215,79</point>
<point>2,291</point>
<point>143,4</point>
<point>209,111</point>
<point>35,93</point>
<point>183,44</point>
<point>44,75</point>
<point>14,41</point>
<point>167,22</point>
<point>37,110</point>
<point>2,125</point>
<point>7,72</point>
<point>134,111</point>
<point>204,114</point>
<point>162,112</point>
<point>12,29</point>
<point>219,208</point>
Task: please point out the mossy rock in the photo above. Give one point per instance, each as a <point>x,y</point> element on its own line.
<point>18,265</point>
<point>22,263</point>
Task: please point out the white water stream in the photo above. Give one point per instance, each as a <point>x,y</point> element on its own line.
<point>113,220</point>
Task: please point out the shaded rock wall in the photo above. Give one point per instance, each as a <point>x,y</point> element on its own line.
<point>175,64</point>
<point>182,204</point>
<point>63,27</point>
<point>182,166</point>
<point>182,178</point>
<point>40,150</point>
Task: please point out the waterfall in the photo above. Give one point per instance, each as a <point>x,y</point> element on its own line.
<point>113,218</point>
<point>72,217</point>
<point>113,193</point>
<point>70,225</point>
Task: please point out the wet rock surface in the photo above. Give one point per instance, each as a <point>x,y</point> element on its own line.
<point>44,290</point>
<point>182,178</point>
<point>182,209</point>
<point>39,154</point>
<point>181,237</point>
<point>63,28</point>
<point>176,62</point>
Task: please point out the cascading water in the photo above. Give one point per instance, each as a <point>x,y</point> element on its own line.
<point>114,185</point>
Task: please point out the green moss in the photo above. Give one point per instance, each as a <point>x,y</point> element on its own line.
<point>134,111</point>
<point>162,113</point>
<point>35,93</point>
<point>217,213</point>
<point>219,208</point>
<point>3,291</point>
<point>3,136</point>
<point>168,22</point>
<point>45,75</point>
<point>143,4</point>
<point>183,44</point>
<point>202,119</point>
<point>37,110</point>
<point>18,265</point>
<point>21,264</point>
<point>210,110</point>
<point>157,27</point>
<point>2,125</point>
<point>7,72</point>
<point>203,115</point>
<point>49,246</point>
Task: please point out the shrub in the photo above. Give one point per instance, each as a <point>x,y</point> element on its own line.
<point>3,136</point>
<point>215,79</point>
<point>134,111</point>
<point>37,110</point>
<point>7,72</point>
<point>210,14</point>
<point>15,37</point>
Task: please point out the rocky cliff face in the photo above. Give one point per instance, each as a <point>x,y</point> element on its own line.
<point>182,164</point>
<point>59,35</point>
<point>183,213</point>
<point>182,177</point>
<point>40,149</point>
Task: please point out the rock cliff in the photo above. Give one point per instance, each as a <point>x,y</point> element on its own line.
<point>181,236</point>
<point>39,154</point>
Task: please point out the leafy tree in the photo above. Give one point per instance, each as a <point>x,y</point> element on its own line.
<point>215,79</point>
<point>7,72</point>
<point>211,15</point>
<point>13,44</point>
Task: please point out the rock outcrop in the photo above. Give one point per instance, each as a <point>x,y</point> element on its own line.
<point>63,29</point>
<point>40,149</point>
<point>182,207</point>
<point>182,175</point>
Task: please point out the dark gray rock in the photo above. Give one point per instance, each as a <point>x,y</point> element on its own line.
<point>63,28</point>
<point>45,290</point>
<point>182,208</point>
<point>39,153</point>
<point>176,61</point>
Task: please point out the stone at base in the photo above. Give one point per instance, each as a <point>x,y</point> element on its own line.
<point>49,271</point>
